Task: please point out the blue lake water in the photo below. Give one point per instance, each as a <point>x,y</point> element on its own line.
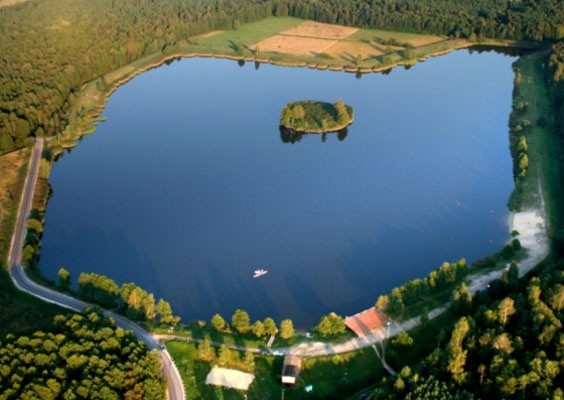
<point>188,187</point>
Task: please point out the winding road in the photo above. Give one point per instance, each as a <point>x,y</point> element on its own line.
<point>531,225</point>
<point>175,387</point>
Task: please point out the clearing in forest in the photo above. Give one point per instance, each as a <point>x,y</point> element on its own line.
<point>306,39</point>
<point>343,43</point>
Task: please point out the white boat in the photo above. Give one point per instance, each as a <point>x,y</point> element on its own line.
<point>260,272</point>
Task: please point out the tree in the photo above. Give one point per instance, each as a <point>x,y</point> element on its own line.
<point>286,329</point>
<point>556,297</point>
<point>298,111</point>
<point>205,351</point>
<point>249,361</point>
<point>241,321</point>
<point>396,302</point>
<point>403,339</point>
<point>270,326</point>
<point>258,329</point>
<point>165,312</point>
<point>383,302</point>
<point>342,112</point>
<point>218,322</point>
<point>462,299</point>
<point>330,325</point>
<point>225,356</point>
<point>503,343</point>
<point>505,309</point>
<point>456,353</point>
<point>64,280</point>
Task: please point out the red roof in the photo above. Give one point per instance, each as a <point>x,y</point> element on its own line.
<point>366,321</point>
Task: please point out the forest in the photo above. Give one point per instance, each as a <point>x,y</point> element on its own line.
<point>507,342</point>
<point>82,356</point>
<point>69,43</point>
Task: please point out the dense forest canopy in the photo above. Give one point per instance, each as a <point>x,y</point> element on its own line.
<point>506,343</point>
<point>83,356</point>
<point>51,48</point>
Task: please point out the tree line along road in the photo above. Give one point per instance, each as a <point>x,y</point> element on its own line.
<point>175,387</point>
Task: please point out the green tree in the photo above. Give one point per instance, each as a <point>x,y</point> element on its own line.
<point>503,343</point>
<point>205,351</point>
<point>395,305</point>
<point>462,299</point>
<point>383,302</point>
<point>456,352</point>
<point>286,329</point>
<point>556,297</point>
<point>505,309</point>
<point>64,280</point>
<point>241,321</point>
<point>330,325</point>
<point>218,323</point>
<point>270,326</point>
<point>249,361</point>
<point>225,356</point>
<point>164,310</point>
<point>258,329</point>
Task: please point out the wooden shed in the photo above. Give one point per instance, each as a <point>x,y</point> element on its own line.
<point>291,369</point>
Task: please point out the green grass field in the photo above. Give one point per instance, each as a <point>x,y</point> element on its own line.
<point>249,33</point>
<point>543,146</point>
<point>334,377</point>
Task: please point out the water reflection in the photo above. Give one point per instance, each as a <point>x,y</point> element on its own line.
<point>288,135</point>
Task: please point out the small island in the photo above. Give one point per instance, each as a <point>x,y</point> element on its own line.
<point>316,116</point>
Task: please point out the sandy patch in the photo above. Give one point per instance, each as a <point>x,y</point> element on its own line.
<point>230,378</point>
<point>6,3</point>
<point>296,45</point>
<point>532,235</point>
<point>349,50</point>
<point>320,31</point>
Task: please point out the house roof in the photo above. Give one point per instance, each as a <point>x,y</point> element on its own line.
<point>366,321</point>
<point>292,365</point>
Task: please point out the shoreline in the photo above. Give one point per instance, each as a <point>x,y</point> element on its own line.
<point>91,111</point>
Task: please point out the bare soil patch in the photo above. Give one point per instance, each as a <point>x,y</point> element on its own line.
<point>320,31</point>
<point>349,50</point>
<point>6,3</point>
<point>9,166</point>
<point>295,45</point>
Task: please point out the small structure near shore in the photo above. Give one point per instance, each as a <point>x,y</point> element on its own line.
<point>229,378</point>
<point>291,369</point>
<point>366,322</point>
<point>316,116</point>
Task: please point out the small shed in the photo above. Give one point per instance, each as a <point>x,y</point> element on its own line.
<point>291,369</point>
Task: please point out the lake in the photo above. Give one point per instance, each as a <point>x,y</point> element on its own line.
<point>189,186</point>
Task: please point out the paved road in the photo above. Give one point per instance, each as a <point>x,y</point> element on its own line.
<point>175,388</point>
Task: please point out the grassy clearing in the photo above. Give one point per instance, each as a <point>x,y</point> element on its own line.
<point>320,30</point>
<point>331,377</point>
<point>19,312</point>
<point>291,41</point>
<point>13,167</point>
<point>370,34</point>
<point>543,146</point>
<point>193,330</point>
<point>248,33</point>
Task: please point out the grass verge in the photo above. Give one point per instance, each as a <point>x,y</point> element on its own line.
<point>330,377</point>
